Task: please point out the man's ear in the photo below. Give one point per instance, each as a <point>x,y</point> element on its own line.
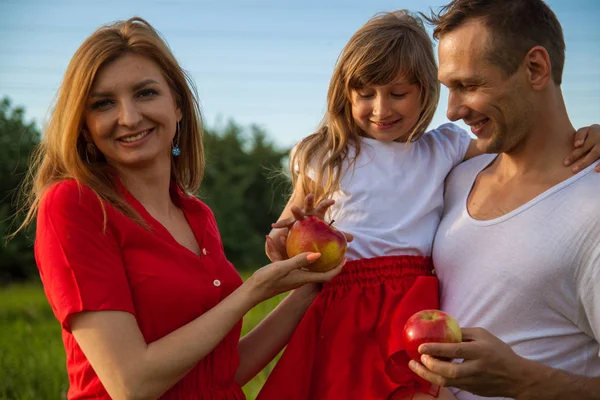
<point>538,67</point>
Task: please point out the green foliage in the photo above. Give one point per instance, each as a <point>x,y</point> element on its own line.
<point>17,140</point>
<point>32,357</point>
<point>244,189</point>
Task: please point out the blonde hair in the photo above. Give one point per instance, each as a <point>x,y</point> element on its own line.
<point>387,45</point>
<point>62,153</point>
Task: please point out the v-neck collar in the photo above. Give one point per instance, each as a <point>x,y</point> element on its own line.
<point>523,207</point>
<point>194,215</point>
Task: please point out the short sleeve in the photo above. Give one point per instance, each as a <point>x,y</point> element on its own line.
<point>79,259</point>
<point>454,142</point>
<point>311,168</point>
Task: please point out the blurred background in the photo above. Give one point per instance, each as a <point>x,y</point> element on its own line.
<point>261,69</point>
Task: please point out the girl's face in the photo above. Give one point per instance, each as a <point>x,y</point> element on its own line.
<point>389,112</point>
<point>131,114</point>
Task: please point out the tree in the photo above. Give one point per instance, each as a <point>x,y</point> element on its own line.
<point>17,140</point>
<point>244,187</point>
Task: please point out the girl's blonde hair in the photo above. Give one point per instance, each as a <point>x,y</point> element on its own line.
<point>63,154</point>
<point>387,45</point>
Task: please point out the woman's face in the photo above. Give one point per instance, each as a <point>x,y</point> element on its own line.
<point>131,114</point>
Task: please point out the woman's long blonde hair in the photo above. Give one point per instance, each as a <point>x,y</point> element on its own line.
<point>387,45</point>
<point>62,153</point>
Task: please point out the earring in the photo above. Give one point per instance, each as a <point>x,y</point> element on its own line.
<point>176,151</point>
<point>90,151</point>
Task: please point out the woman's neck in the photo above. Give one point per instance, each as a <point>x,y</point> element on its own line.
<point>151,187</point>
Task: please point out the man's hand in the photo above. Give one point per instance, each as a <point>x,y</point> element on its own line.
<point>489,368</point>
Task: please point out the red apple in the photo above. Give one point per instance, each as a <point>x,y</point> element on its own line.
<point>315,235</point>
<point>429,326</point>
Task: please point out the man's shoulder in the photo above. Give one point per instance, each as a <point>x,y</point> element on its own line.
<point>586,184</point>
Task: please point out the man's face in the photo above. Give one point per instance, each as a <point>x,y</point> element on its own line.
<point>495,106</point>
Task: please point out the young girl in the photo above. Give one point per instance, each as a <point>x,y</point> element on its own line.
<point>385,175</point>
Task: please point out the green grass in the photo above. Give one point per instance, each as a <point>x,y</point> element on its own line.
<point>32,358</point>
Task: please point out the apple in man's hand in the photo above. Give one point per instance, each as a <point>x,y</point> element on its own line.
<point>429,326</point>
<point>315,235</point>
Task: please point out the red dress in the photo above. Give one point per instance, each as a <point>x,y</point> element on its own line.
<point>147,273</point>
<point>349,343</point>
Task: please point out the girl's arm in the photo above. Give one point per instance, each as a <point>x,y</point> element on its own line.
<point>255,351</point>
<point>130,368</point>
<point>296,200</point>
<point>280,324</point>
<point>300,203</point>
<point>587,148</point>
<point>472,150</point>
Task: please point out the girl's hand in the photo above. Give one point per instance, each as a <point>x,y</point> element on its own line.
<point>276,242</point>
<point>309,209</point>
<point>587,148</point>
<point>284,275</point>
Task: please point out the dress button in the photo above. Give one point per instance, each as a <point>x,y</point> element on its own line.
<point>217,282</point>
<point>204,251</point>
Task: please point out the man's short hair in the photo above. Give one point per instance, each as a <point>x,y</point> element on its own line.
<point>515,26</point>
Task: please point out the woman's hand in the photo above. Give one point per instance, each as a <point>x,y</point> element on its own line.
<point>285,275</point>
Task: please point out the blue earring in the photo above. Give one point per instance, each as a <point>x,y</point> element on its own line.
<point>176,151</point>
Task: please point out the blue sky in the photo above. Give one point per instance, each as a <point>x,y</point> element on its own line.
<point>263,62</point>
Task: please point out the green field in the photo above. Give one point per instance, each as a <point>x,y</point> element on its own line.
<point>32,359</point>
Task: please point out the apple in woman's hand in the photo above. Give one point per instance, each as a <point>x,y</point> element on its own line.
<point>315,235</point>
<point>429,326</point>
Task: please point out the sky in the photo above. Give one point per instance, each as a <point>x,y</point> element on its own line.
<point>254,61</point>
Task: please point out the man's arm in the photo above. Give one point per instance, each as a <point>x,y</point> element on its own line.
<point>491,368</point>
<point>547,383</point>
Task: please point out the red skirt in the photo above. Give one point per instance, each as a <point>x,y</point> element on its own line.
<point>349,343</point>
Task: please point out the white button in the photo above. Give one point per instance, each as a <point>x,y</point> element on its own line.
<point>204,251</point>
<point>217,282</point>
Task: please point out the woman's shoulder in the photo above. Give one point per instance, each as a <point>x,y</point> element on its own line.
<point>67,192</point>
<point>69,197</point>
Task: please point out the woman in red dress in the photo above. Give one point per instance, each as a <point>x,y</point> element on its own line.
<point>132,263</point>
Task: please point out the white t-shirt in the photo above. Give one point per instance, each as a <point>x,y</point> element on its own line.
<point>391,200</point>
<point>530,277</point>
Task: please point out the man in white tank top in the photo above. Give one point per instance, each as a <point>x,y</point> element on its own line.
<point>518,249</point>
